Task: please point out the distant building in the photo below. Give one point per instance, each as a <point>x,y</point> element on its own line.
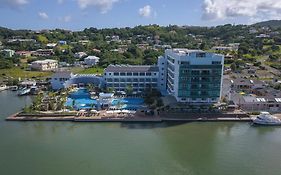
<point>222,48</point>
<point>91,60</point>
<point>43,52</point>
<point>191,76</point>
<point>24,53</point>
<point>21,40</point>
<point>80,54</point>
<point>246,84</point>
<point>8,53</point>
<point>51,45</point>
<point>44,65</point>
<point>263,36</point>
<point>258,103</point>
<point>62,42</point>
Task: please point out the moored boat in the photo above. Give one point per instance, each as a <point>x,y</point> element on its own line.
<point>3,87</point>
<point>13,88</point>
<point>265,118</point>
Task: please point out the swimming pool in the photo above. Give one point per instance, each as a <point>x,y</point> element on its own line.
<point>128,103</point>
<point>81,99</point>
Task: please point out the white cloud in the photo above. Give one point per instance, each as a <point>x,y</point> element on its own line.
<point>254,9</point>
<point>60,1</point>
<point>13,3</point>
<point>43,15</point>
<point>67,18</point>
<point>103,5</point>
<point>146,11</point>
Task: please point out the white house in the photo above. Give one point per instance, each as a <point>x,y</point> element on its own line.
<point>59,78</point>
<point>91,60</point>
<point>80,54</point>
<point>44,65</point>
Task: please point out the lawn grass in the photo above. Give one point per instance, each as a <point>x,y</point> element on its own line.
<point>94,70</point>
<point>17,72</point>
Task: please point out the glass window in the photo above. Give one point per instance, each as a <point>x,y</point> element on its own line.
<point>122,74</point>
<point>148,74</point>
<point>136,74</point>
<point>129,73</point>
<point>142,74</point>
<point>116,74</point>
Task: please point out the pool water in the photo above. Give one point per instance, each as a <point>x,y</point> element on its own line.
<point>82,100</point>
<point>128,103</point>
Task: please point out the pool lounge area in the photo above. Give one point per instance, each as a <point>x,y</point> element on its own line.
<point>81,99</point>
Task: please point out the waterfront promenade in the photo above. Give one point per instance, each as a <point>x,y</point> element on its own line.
<point>136,118</point>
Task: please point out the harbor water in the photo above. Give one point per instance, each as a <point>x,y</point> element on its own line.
<point>198,148</point>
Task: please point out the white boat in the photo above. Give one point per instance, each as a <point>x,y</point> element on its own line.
<point>265,118</point>
<point>13,88</point>
<point>24,91</point>
<point>3,87</point>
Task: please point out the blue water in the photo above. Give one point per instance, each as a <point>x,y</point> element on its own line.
<point>129,103</point>
<point>82,100</point>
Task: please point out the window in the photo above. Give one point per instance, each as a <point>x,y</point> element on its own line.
<point>142,74</point>
<point>129,74</point>
<point>122,74</point>
<point>200,55</point>
<point>148,74</point>
<point>136,74</point>
<point>216,62</point>
<point>116,74</point>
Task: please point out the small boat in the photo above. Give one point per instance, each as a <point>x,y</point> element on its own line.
<point>3,87</point>
<point>265,118</point>
<point>24,91</point>
<point>14,88</point>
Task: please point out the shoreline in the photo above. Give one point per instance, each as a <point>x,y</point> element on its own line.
<point>153,119</point>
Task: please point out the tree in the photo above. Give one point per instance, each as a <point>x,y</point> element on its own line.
<point>233,67</point>
<point>129,89</point>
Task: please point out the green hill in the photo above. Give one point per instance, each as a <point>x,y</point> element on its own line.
<point>270,23</point>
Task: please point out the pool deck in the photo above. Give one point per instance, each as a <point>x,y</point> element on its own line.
<point>137,118</point>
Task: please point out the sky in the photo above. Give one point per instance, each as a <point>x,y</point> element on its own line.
<point>80,14</point>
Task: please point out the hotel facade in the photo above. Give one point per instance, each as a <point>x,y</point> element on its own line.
<point>139,77</point>
<point>191,76</point>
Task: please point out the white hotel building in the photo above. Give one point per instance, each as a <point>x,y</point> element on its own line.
<point>139,77</point>
<point>191,76</point>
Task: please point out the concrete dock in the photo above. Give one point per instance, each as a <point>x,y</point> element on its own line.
<point>160,118</point>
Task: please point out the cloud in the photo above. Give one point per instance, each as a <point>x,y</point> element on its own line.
<point>13,3</point>
<point>67,18</point>
<point>60,1</point>
<point>254,9</point>
<point>43,15</point>
<point>146,11</point>
<point>103,5</point>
